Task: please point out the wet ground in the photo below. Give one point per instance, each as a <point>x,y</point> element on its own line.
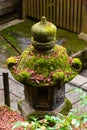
<point>10,51</point>
<point>6,49</point>
<point>84,73</point>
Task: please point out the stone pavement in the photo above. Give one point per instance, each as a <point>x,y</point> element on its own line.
<point>78,82</point>
<point>17,91</point>
<point>10,23</point>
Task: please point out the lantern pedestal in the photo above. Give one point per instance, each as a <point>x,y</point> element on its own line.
<point>27,111</point>
<point>44,100</point>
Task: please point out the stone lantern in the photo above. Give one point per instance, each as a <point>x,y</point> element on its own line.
<point>44,67</point>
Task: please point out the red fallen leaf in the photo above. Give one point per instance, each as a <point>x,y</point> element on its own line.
<point>32,78</point>
<point>14,67</point>
<point>37,81</point>
<point>70,60</point>
<point>39,78</point>
<point>49,79</point>
<point>8,117</point>
<point>31,71</point>
<point>31,53</point>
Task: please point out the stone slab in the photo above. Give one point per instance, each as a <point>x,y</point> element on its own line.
<point>84,86</point>
<point>16,89</point>
<point>73,96</point>
<point>84,73</point>
<point>83,36</point>
<point>78,80</point>
<point>10,23</point>
<point>68,87</point>
<point>79,107</point>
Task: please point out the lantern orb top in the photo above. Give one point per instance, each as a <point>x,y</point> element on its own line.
<point>43,35</point>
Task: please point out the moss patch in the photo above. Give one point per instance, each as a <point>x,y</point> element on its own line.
<point>73,44</point>
<point>40,69</point>
<point>5,52</point>
<point>67,107</point>
<point>29,112</point>
<point>19,30</point>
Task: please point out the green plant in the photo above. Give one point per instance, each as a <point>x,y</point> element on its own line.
<point>18,124</point>
<point>60,122</point>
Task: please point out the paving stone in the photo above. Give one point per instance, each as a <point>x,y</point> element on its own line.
<point>78,80</point>
<point>84,86</point>
<point>68,87</point>
<point>10,23</point>
<point>84,73</point>
<point>73,96</point>
<point>79,107</point>
<point>15,87</point>
<point>1,98</point>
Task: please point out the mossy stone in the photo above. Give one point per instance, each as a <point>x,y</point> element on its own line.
<point>67,107</point>
<point>77,64</point>
<point>44,63</point>
<point>27,111</point>
<point>44,31</point>
<point>11,61</point>
<point>41,69</point>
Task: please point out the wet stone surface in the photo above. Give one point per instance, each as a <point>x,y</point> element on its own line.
<point>24,42</point>
<point>84,73</point>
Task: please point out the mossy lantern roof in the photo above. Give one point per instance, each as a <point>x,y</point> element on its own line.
<point>44,63</point>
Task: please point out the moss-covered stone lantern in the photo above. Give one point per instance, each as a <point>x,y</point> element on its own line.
<point>44,67</point>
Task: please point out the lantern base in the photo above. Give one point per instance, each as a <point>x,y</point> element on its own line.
<point>27,111</point>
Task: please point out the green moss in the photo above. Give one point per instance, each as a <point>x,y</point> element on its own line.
<point>50,61</point>
<point>13,32</point>
<point>5,52</point>
<point>44,31</point>
<point>24,76</point>
<point>44,69</point>
<point>58,76</point>
<point>72,44</point>
<point>40,114</point>
<point>11,61</point>
<point>40,69</point>
<point>76,64</point>
<point>68,105</point>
